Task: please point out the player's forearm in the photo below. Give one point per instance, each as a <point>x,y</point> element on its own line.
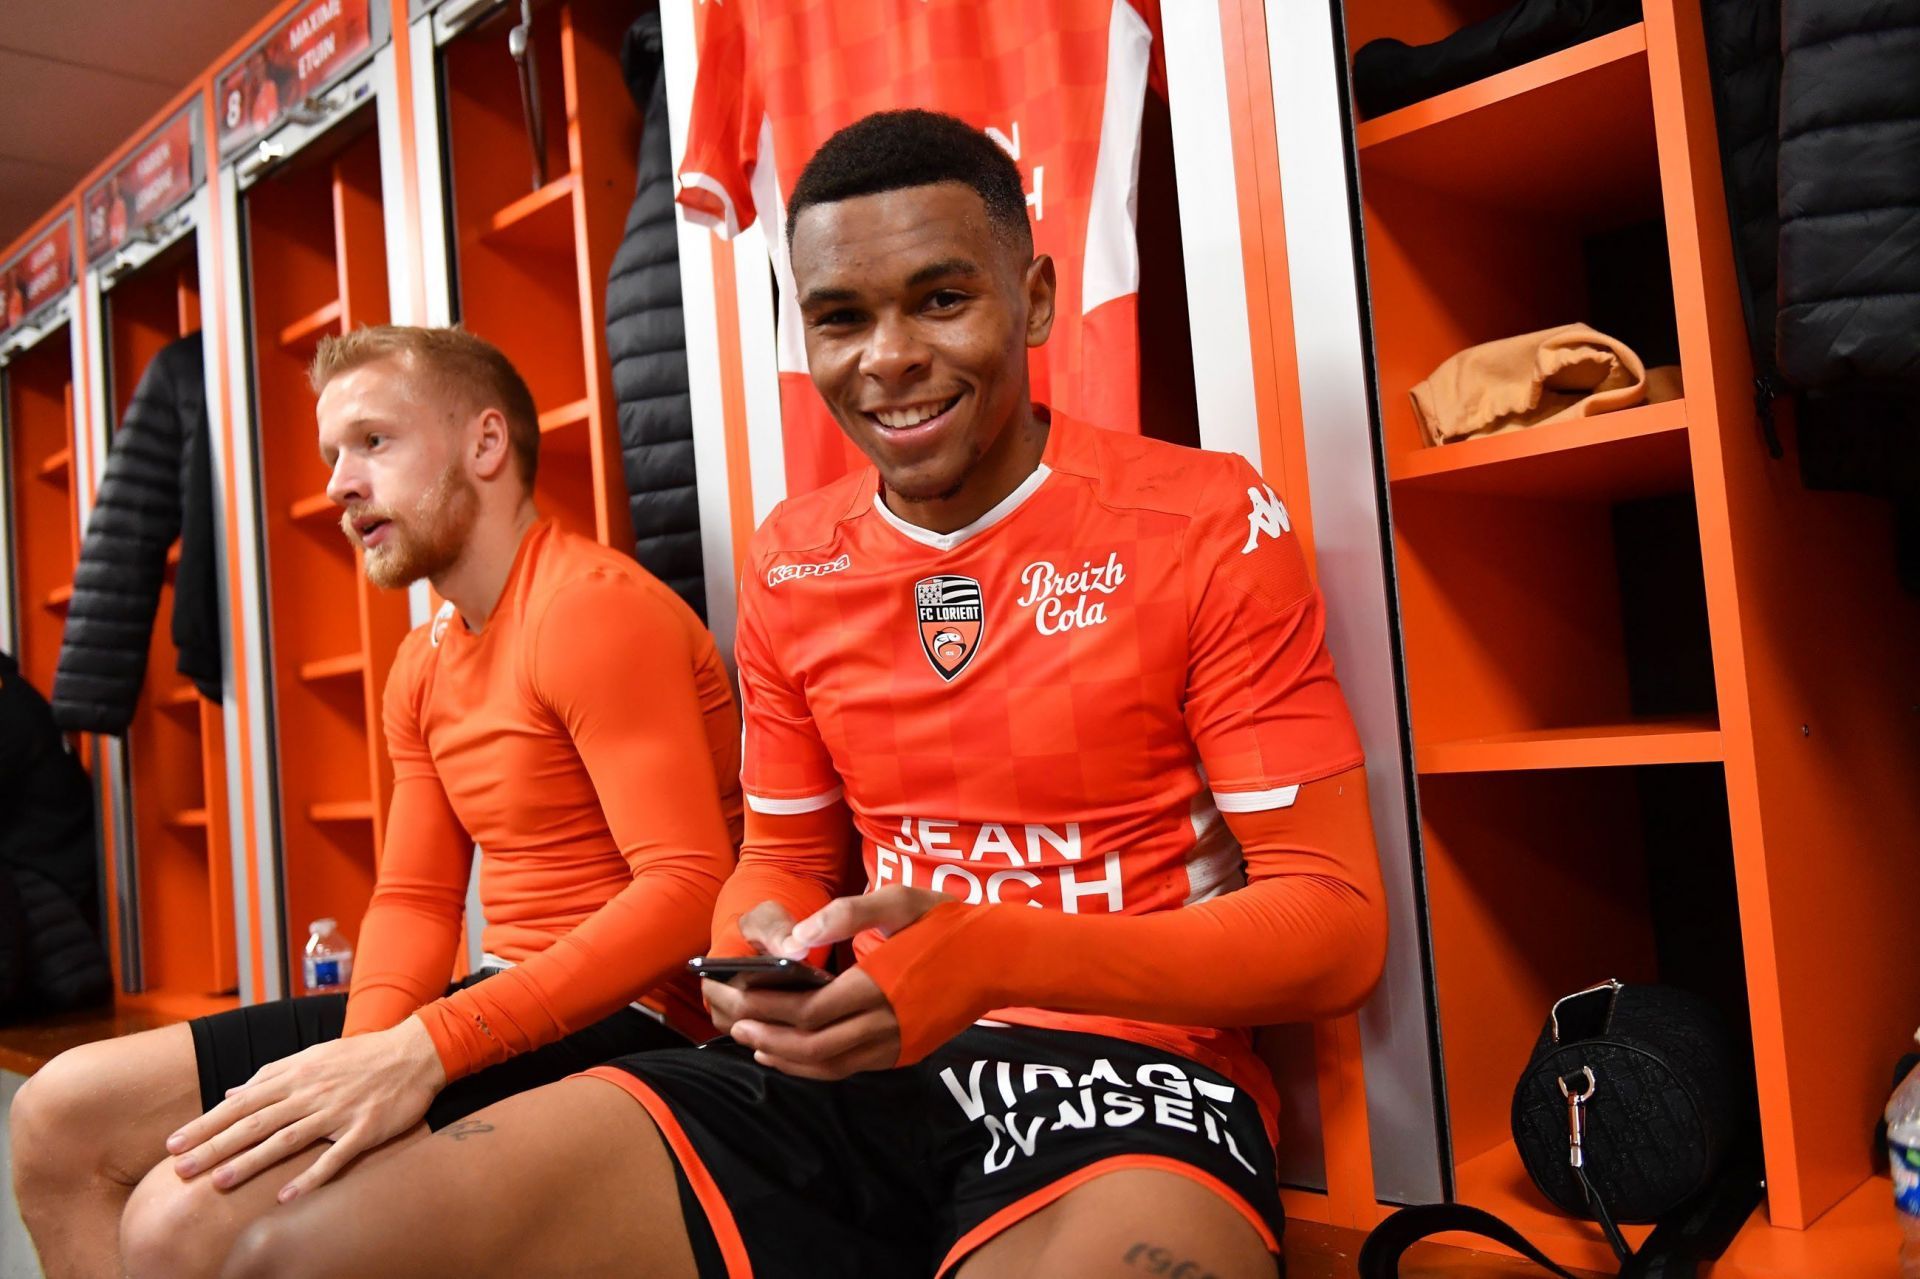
<point>797,861</point>
<point>405,955</point>
<point>1305,940</point>
<point>613,957</point>
<point>411,929</point>
<point>1293,950</point>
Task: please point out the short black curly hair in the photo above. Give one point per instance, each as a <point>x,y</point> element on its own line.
<point>891,150</point>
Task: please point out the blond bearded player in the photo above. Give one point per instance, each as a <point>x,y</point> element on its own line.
<point>566,712</point>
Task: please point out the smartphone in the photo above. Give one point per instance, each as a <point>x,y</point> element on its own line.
<point>760,972</point>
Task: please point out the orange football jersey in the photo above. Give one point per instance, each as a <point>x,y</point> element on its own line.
<point>1055,704</point>
<point>1059,85</point>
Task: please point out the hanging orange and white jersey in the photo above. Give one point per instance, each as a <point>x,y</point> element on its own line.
<point>1058,83</point>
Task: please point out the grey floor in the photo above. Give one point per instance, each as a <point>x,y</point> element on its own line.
<point>16,1252</point>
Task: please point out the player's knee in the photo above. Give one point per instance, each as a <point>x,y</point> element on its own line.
<point>277,1246</point>
<point>55,1148</point>
<point>164,1229</point>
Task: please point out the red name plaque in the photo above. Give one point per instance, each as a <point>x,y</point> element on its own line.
<point>155,177</point>
<point>309,48</point>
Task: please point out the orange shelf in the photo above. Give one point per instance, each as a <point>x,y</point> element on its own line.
<point>55,467</point>
<point>185,697</point>
<point>189,819</point>
<point>1638,452</point>
<point>539,222</point>
<point>1663,741</point>
<point>330,668</point>
<point>1497,1181</point>
<point>309,329</point>
<point>566,415</point>
<point>58,598</point>
<point>351,810</point>
<point>174,1006</point>
<point>1858,1237</point>
<point>317,507</point>
<point>1492,141</point>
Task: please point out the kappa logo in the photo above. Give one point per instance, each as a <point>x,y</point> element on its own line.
<point>787,572</point>
<point>1268,517</point>
<point>441,620</point>
<point>952,619</point>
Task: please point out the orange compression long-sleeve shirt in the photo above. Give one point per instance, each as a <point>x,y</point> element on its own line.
<point>587,741</point>
<point>1304,939</point>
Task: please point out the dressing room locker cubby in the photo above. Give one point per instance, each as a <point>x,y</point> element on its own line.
<point>1554,631</point>
<point>1659,694</point>
<point>1542,883</point>
<point>1483,207</point>
<point>316,262</point>
<point>531,262</point>
<point>176,747</point>
<point>46,542</point>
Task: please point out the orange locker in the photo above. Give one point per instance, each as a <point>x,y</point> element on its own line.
<point>38,420</point>
<point>172,868</point>
<point>176,747</point>
<point>316,264</point>
<point>1633,644</point>
<point>529,261</point>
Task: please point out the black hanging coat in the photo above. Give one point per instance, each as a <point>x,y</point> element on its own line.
<point>158,485</point>
<point>50,954</point>
<point>1850,193</point>
<point>646,342</point>
<point>1818,110</point>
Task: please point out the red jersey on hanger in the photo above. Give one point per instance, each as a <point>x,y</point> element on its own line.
<point>1058,83</point>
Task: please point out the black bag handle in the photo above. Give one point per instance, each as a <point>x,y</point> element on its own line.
<point>1380,1254</point>
<point>1698,1231</point>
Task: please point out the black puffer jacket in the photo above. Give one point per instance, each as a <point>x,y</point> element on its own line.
<point>158,486</point>
<point>1743,52</point>
<point>1818,108</point>
<point>1850,192</point>
<point>50,956</point>
<point>646,341</point>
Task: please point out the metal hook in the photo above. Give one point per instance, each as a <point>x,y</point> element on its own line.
<point>520,46</point>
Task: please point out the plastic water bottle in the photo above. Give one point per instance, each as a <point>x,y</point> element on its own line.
<point>1903,1142</point>
<point>329,961</point>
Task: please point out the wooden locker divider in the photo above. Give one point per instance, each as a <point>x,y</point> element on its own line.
<point>531,265</point>
<point>1584,666</point>
<point>46,539</point>
<point>176,742</point>
<point>317,266</point>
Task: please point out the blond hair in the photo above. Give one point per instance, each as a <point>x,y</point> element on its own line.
<point>470,371</point>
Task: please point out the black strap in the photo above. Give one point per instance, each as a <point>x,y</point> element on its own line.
<point>1380,1254</point>
<point>1622,1251</point>
<point>1697,1232</point>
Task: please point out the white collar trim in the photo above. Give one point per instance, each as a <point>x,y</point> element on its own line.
<point>947,541</point>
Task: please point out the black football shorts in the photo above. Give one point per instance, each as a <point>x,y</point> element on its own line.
<point>899,1174</point>
<point>229,1047</point>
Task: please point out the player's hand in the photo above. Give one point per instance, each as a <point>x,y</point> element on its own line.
<point>357,1093</point>
<point>844,1027</point>
<point>768,928</point>
<point>886,910</point>
<point>841,1029</point>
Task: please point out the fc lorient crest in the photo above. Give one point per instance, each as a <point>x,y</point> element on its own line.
<point>952,621</point>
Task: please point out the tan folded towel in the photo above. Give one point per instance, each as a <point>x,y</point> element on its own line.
<point>1517,382</point>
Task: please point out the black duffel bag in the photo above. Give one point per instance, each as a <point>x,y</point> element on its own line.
<point>1636,1106</point>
